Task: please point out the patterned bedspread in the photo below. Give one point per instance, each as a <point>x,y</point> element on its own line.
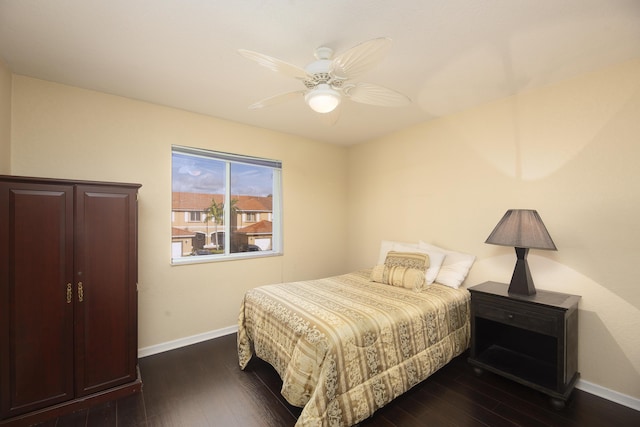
<point>346,346</point>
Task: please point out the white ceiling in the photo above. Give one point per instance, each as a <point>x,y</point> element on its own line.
<point>447,55</point>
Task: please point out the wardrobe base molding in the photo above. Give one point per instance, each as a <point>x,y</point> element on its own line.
<point>74,405</point>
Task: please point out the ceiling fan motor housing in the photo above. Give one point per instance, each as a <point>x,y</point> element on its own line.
<point>320,73</point>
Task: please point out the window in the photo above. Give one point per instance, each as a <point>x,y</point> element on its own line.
<point>195,216</point>
<point>252,217</point>
<point>211,193</point>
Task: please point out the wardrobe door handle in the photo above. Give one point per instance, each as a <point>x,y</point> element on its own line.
<point>80,292</point>
<point>69,293</point>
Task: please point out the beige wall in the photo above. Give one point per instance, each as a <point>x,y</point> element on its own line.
<point>5,118</point>
<point>571,151</point>
<point>60,131</point>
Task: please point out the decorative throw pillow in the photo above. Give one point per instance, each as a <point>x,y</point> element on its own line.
<point>435,257</point>
<point>417,260</point>
<point>409,278</point>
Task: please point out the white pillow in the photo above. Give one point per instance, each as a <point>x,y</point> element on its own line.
<point>436,257</point>
<point>455,267</point>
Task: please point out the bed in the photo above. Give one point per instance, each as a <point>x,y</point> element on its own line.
<point>345,346</point>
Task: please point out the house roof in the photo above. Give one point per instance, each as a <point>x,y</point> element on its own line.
<point>255,204</point>
<point>262,227</point>
<point>181,201</point>
<point>179,232</point>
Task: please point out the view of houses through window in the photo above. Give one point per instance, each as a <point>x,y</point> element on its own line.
<point>223,205</point>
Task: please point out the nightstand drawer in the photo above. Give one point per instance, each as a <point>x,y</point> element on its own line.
<point>524,319</point>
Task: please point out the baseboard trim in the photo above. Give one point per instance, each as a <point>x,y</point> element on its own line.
<point>589,387</point>
<point>606,393</point>
<point>183,342</point>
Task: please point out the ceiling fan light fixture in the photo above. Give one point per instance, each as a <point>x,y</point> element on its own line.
<point>323,99</point>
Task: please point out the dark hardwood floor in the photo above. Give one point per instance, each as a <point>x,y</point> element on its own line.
<point>201,385</point>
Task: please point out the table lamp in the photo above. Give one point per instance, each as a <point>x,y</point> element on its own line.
<point>524,230</point>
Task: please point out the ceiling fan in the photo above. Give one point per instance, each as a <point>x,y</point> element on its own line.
<point>327,81</point>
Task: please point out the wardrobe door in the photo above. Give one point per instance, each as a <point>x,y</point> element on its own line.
<point>106,276</point>
<point>36,304</point>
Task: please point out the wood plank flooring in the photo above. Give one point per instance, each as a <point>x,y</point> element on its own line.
<point>201,385</point>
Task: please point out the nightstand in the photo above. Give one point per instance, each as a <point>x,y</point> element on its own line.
<point>529,339</point>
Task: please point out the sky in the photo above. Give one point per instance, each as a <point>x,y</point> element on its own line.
<point>193,174</point>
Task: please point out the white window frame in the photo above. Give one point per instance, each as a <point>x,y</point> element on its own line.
<point>275,216</point>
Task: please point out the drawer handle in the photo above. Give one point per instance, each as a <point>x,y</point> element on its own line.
<point>510,316</point>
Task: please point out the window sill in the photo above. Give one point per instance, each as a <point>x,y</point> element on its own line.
<point>199,259</point>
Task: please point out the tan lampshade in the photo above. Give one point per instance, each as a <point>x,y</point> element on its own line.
<point>521,228</point>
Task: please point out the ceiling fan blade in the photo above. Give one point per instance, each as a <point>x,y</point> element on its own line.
<point>360,58</point>
<point>367,93</point>
<point>275,64</point>
<point>276,99</point>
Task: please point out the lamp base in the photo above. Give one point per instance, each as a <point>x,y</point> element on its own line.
<point>521,281</point>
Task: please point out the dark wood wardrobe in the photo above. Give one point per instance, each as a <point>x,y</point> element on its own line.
<point>68,295</point>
